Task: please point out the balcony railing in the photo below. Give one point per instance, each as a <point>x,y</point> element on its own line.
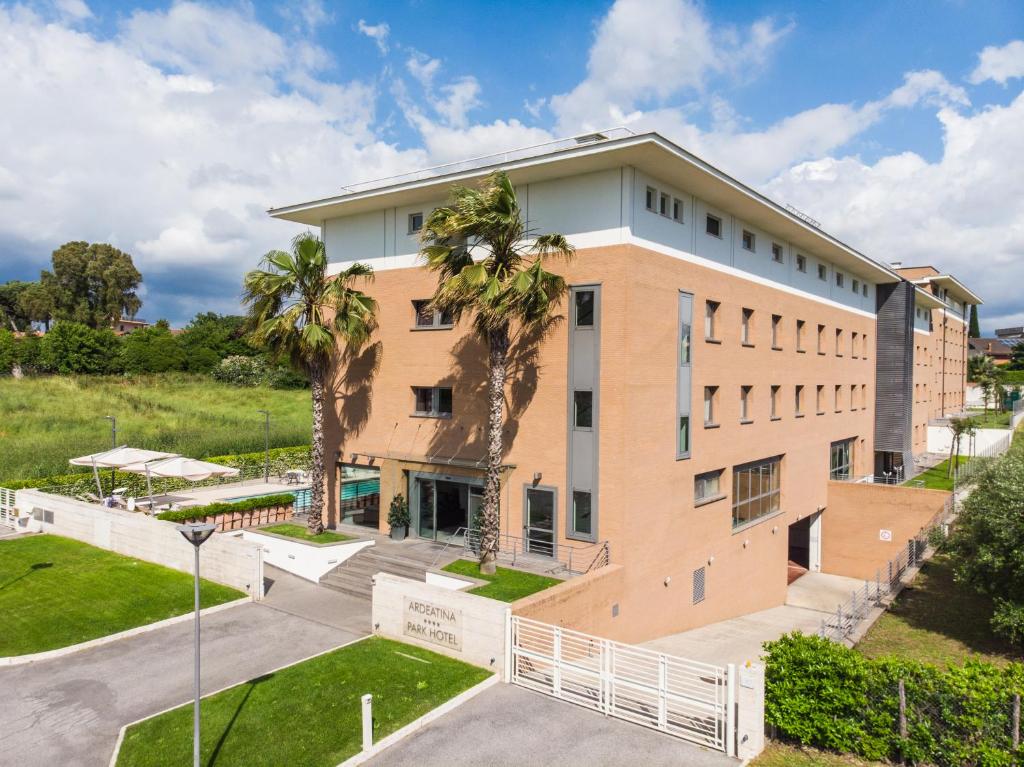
<point>574,559</point>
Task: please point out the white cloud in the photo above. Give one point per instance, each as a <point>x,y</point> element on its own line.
<point>376,32</point>
<point>76,10</point>
<point>999,64</point>
<point>423,68</point>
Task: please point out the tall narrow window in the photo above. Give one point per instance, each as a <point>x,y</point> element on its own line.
<point>820,403</point>
<point>664,201</point>
<point>684,342</point>
<point>746,329</point>
<point>776,324</point>
<point>801,263</point>
<point>839,279</point>
<point>777,253</point>
<point>745,392</point>
<point>798,400</point>
<point>710,316</point>
<point>841,459</point>
<point>853,396</point>
<point>684,435</point>
<point>584,307</point>
<point>710,395</point>
<point>583,409</point>
<point>582,517</point>
<point>821,339</point>
<point>839,342</point>
<point>800,324</point>
<point>713,225</point>
<point>775,402</point>
<point>748,240</point>
<point>837,398</point>
<point>855,286</point>
<point>652,195</point>
<point>853,344</point>
<point>677,209</point>
<point>822,272</point>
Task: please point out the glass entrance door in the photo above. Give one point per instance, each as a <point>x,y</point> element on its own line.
<point>443,505</point>
<point>540,521</point>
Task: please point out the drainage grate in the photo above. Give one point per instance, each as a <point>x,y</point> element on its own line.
<point>698,585</point>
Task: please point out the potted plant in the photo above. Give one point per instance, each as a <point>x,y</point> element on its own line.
<point>398,517</point>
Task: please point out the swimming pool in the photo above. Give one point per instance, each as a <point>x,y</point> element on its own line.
<point>301,497</point>
<point>349,491</point>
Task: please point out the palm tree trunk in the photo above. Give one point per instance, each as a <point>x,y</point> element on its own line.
<point>497,342</point>
<point>315,521</point>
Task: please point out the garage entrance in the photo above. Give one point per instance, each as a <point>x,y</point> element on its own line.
<point>804,547</point>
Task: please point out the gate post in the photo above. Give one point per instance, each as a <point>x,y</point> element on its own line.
<point>556,657</point>
<point>509,657</point>
<point>730,710</point>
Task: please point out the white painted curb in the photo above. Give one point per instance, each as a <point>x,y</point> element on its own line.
<point>18,660</point>
<point>419,724</point>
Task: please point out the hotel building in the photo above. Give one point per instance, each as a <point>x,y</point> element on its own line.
<point>722,369</point>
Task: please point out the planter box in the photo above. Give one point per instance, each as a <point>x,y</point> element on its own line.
<point>240,520</point>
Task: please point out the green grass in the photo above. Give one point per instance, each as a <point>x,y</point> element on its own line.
<point>56,592</point>
<point>307,714</point>
<point>935,478</point>
<point>45,421</point>
<point>783,755</point>
<point>990,420</point>
<point>300,532</point>
<point>505,585</point>
<point>936,620</point>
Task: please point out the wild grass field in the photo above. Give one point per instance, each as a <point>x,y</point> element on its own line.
<point>47,420</point>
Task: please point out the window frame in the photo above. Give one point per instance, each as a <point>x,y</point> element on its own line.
<point>798,400</point>
<point>710,407</point>
<point>651,200</point>
<point>678,213</point>
<point>709,217</point>
<point>576,309</point>
<point>412,229</point>
<point>711,321</point>
<point>845,449</point>
<point>437,317</point>
<point>665,204</point>
<point>700,482</point>
<point>776,324</point>
<point>778,253</point>
<point>823,272</point>
<point>576,410</point>
<point>573,531</point>
<point>435,402</point>
<point>801,263</point>
<point>800,326</point>
<point>747,234</point>
<point>772,497</point>
<point>746,392</point>
<point>746,326</point>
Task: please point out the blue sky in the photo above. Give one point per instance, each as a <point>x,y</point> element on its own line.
<point>167,129</point>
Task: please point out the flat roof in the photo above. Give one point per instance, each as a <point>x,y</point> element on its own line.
<point>649,152</point>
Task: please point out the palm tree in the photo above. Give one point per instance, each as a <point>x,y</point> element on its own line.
<point>505,290</point>
<point>302,315</point>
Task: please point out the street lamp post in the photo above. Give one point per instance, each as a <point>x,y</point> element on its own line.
<point>266,444</point>
<point>197,535</point>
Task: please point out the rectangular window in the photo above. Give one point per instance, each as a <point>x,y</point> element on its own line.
<point>801,263</point>
<point>777,253</point>
<point>652,195</point>
<point>776,324</point>
<point>864,345</point>
<point>853,344</point>
<point>821,339</point>
<point>800,335</point>
<point>864,290</point>
<point>839,279</point>
<point>664,201</point>
<point>863,395</point>
<point>748,240</point>
<point>582,517</point>
<point>746,329</point>
<point>853,397</point>
<point>837,398</point>
<point>798,399</point>
<point>821,400</point>
<point>710,314</point>
<point>677,209</point>
<point>684,435</point>
<point>839,342</point>
<point>775,402</point>
<point>822,272</point>
<point>433,401</point>
<point>745,392</point>
<point>841,459</point>
<point>756,490</point>
<point>684,339</point>
<point>713,226</point>
<point>855,286</point>
<point>583,409</point>
<point>415,222</point>
<point>427,317</point>
<point>584,308</point>
<point>707,486</point>
<point>710,395</point>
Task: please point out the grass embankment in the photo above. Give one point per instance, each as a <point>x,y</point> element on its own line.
<point>993,419</point>
<point>306,714</point>
<point>302,533</point>
<point>936,620</point>
<point>783,755</point>
<point>936,477</point>
<point>505,585</point>
<point>56,592</point>
<point>45,421</point>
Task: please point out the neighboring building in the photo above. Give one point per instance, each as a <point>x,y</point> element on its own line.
<point>1012,333</point>
<point>721,362</point>
<point>123,325</point>
<point>999,350</point>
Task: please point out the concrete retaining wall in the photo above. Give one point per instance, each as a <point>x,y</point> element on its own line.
<point>865,525</point>
<point>464,626</point>
<point>225,559</point>
<point>304,560</point>
<point>591,603</point>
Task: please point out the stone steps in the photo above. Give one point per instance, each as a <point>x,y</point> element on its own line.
<point>354,576</point>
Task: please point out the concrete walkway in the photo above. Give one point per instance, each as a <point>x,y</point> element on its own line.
<point>510,725</point>
<point>810,599</point>
<point>69,710</point>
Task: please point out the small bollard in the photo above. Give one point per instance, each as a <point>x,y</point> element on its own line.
<point>367,721</point>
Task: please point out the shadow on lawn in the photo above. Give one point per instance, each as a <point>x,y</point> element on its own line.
<point>31,569</point>
<point>250,686</point>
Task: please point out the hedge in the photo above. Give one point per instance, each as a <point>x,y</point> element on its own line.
<point>1007,377</point>
<point>216,509</point>
<point>822,694</point>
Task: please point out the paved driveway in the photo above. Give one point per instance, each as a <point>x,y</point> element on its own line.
<point>506,725</point>
<point>68,711</point>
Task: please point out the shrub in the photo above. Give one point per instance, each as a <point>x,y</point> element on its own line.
<point>71,347</point>
<point>826,695</point>
<point>398,513</point>
<point>151,350</point>
<point>241,371</point>
<point>1008,621</point>
<point>217,509</point>
<point>6,351</point>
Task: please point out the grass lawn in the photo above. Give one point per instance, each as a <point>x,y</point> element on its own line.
<point>505,585</point>
<point>936,620</point>
<point>46,420</point>
<point>935,478</point>
<point>56,592</point>
<point>783,755</point>
<point>307,714</point>
<point>300,532</point>
<point>990,420</point>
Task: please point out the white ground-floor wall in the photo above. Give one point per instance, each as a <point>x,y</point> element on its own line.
<point>940,439</point>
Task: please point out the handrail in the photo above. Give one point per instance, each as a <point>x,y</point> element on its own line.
<point>458,531</point>
<point>570,557</point>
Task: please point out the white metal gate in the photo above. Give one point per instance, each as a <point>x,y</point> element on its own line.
<point>688,699</point>
<point>8,509</point>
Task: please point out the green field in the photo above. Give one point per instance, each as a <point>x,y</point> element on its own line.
<point>56,592</point>
<point>47,420</point>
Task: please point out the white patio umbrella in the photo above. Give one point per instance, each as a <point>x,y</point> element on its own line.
<point>180,467</point>
<point>118,458</point>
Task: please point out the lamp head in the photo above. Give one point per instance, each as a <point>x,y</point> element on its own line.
<point>196,533</point>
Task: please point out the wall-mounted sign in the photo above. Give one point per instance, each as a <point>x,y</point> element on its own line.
<point>885,535</point>
<point>432,623</point>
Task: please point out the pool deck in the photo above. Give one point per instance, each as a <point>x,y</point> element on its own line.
<point>201,496</point>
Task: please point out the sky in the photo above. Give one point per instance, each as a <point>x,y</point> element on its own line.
<point>168,129</point>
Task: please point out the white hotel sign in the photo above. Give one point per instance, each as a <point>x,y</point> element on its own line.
<point>433,623</point>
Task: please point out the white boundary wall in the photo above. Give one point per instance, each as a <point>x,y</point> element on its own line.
<point>227,560</point>
<point>940,438</point>
<point>302,559</point>
<point>468,627</point>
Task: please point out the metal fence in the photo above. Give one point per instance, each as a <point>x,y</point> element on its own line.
<point>842,624</point>
<point>688,699</point>
<point>8,507</point>
<point>575,559</point>
<point>965,472</point>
